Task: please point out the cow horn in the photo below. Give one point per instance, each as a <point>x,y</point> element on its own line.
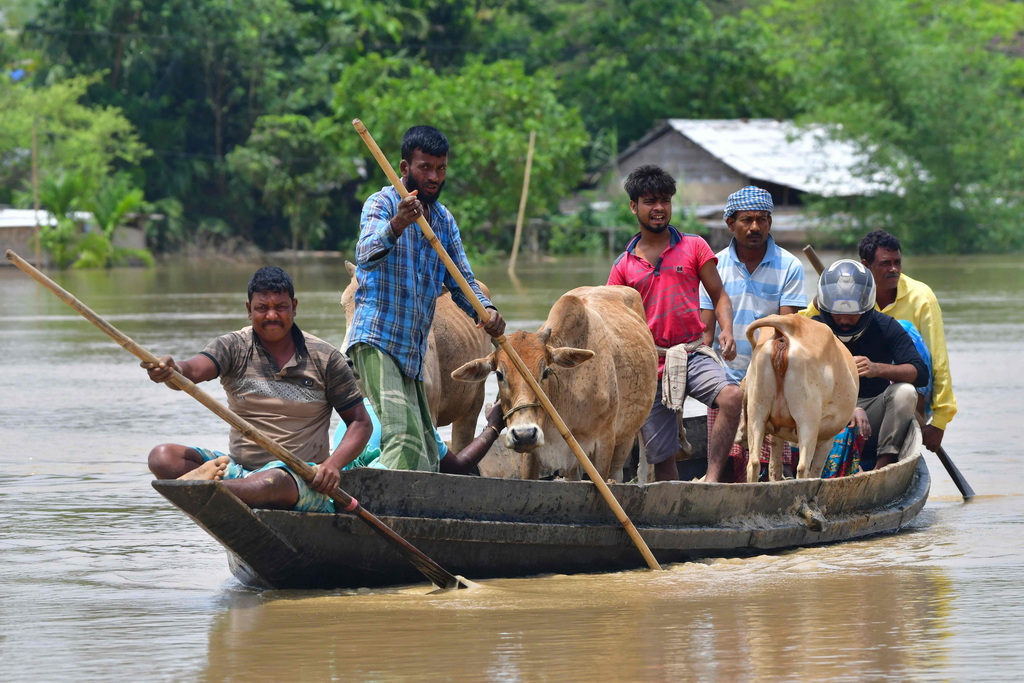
<point>544,335</point>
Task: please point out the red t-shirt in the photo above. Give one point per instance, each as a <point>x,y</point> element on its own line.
<point>669,288</point>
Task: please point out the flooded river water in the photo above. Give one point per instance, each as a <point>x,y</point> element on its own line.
<point>101,579</point>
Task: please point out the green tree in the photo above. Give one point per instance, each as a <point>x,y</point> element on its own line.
<point>931,90</point>
<point>196,76</point>
<point>627,63</point>
<point>288,159</point>
<point>487,110</point>
<point>72,138</point>
<point>62,195</point>
<point>117,197</point>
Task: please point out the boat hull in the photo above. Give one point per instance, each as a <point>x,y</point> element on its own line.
<point>481,528</point>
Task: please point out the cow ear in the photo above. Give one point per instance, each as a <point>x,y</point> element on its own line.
<point>568,357</point>
<point>350,267</point>
<point>474,371</point>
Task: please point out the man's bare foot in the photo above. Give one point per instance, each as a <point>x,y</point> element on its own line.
<point>884,460</point>
<point>211,470</point>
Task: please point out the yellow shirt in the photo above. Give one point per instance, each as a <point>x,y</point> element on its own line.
<point>916,303</point>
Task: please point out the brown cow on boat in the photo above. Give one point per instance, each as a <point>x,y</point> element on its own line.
<point>801,386</point>
<point>454,339</point>
<point>603,402</point>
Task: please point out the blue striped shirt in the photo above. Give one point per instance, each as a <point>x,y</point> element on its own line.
<point>400,280</point>
<point>777,281</point>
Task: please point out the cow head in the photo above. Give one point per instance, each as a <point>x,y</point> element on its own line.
<point>524,415</point>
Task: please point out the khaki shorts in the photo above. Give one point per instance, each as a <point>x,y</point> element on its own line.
<point>704,380</point>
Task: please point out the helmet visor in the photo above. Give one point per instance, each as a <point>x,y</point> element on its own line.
<point>846,288</point>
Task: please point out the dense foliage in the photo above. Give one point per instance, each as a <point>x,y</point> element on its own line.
<point>233,120</point>
<point>932,90</point>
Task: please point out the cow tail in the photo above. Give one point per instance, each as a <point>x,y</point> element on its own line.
<point>780,353</point>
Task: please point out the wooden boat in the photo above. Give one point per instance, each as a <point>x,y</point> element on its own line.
<point>480,527</point>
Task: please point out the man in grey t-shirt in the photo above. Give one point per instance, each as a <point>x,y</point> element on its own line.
<point>284,382</point>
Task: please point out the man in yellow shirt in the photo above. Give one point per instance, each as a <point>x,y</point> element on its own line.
<point>904,298</point>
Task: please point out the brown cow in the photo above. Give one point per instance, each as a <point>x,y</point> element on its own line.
<point>801,386</point>
<point>454,339</point>
<point>603,403</point>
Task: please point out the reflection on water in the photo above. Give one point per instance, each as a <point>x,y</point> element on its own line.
<point>101,579</point>
<point>788,616</point>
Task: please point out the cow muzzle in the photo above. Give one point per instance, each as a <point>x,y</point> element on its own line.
<point>525,437</point>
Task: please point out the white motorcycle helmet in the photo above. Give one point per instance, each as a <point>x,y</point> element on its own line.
<point>846,288</point>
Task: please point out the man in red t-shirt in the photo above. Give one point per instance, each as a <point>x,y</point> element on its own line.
<point>667,267</point>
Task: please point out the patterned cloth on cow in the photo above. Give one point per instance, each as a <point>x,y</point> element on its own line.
<point>749,198</point>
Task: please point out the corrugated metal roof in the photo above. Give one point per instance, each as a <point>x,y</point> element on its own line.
<point>804,158</point>
<point>25,218</point>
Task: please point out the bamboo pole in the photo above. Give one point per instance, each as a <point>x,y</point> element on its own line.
<point>35,196</point>
<point>522,206</point>
<point>453,270</point>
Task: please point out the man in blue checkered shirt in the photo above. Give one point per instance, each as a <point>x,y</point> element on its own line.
<point>400,277</point>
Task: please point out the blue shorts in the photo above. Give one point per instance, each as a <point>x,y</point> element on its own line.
<point>704,380</point>
<point>309,500</point>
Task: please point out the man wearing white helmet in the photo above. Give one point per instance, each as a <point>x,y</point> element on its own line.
<point>887,360</point>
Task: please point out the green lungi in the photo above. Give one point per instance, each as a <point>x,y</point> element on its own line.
<point>407,434</point>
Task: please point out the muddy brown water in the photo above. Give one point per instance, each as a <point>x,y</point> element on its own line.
<point>100,579</point>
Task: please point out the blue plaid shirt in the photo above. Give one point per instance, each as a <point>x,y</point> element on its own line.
<point>400,280</point>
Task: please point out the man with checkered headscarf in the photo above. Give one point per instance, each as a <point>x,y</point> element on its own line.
<point>761,278</point>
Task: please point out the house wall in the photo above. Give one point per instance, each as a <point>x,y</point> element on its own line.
<point>21,240</point>
<point>705,183</point>
<point>701,178</point>
<point>130,238</point>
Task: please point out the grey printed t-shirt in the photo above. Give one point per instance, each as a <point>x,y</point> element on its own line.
<point>292,405</point>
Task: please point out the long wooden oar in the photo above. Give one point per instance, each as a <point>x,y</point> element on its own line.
<point>453,270</point>
<point>954,472</point>
<point>432,570</point>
